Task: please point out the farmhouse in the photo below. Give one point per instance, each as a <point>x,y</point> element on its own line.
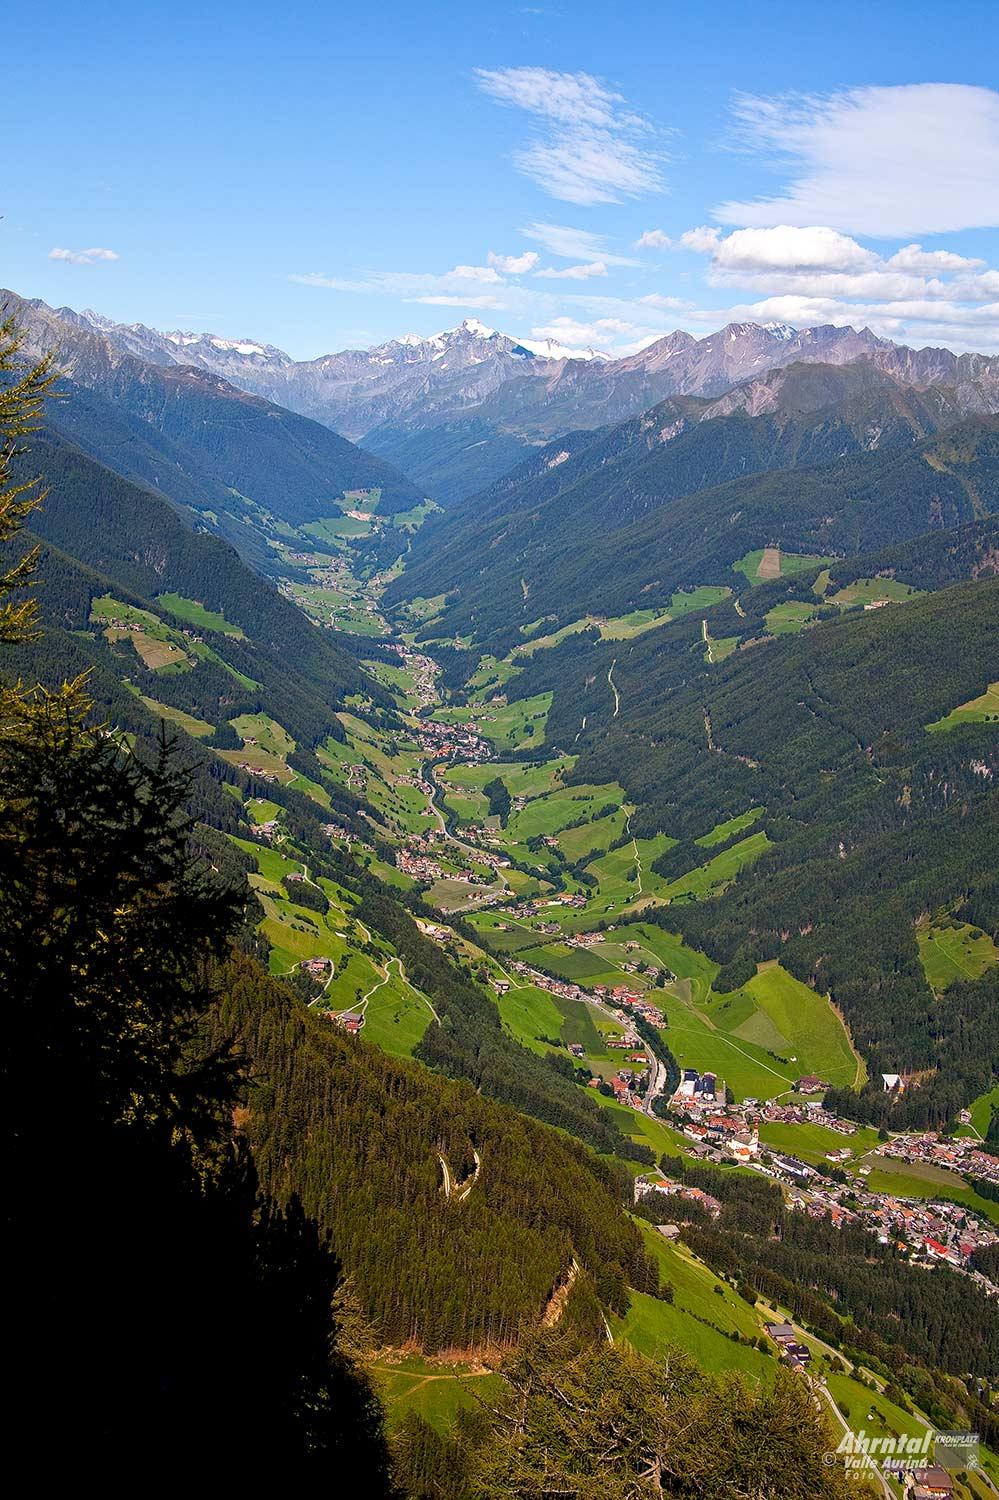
<point>931,1483</point>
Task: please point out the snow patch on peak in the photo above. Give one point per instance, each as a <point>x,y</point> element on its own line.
<point>472,325</point>
<point>782,331</point>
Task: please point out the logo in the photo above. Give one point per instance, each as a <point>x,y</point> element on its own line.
<point>862,1450</point>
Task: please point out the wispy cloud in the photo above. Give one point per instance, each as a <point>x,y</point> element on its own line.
<point>589,146</point>
<point>574,273</point>
<point>884,161</point>
<point>574,244</point>
<point>410,284</point>
<point>91,257</point>
<point>469,301</point>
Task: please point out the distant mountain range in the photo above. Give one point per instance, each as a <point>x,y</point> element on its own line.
<point>457,410</point>
<point>237,463</point>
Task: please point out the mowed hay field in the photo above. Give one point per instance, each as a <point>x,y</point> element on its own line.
<point>155,653</point>
<point>950,951</point>
<point>709,1323</point>
<point>432,1391</point>
<point>976,711</point>
<point>768,563</point>
<point>779,1013</point>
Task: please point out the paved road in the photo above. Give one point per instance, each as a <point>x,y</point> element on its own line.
<point>467,849</point>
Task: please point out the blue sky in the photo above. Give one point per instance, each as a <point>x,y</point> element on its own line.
<point>322,176</point>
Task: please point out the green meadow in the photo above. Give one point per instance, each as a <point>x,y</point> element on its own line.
<point>981,710</point>
<point>779,1013</point>
<point>952,951</point>
<point>722,832</point>
<point>431,1391</point>
<point>193,613</point>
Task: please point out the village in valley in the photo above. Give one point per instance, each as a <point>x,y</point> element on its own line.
<point>538,886</point>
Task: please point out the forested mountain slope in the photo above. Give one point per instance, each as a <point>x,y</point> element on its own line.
<point>136,541</point>
<point>227,454</point>
<point>360,1137</point>
<point>874,821</point>
<point>625,520</point>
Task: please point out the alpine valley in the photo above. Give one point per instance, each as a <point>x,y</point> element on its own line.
<point>518,863</point>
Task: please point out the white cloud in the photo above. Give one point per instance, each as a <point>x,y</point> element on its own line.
<point>883,161</point>
<point>915,322</point>
<point>620,335</point>
<point>82,257</point>
<point>653,239</point>
<point>477,273</point>
<point>568,98</point>
<point>592,149</point>
<point>822,261</point>
<point>574,244</point>
<point>814,274</point>
<point>784,248</point>
<point>915,258</point>
<point>701,239</point>
<point>514,265</point>
<point>574,273</point>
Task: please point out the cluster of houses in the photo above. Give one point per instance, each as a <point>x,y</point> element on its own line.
<point>633,1002</point>
<point>665,1187</point>
<point>337,834</point>
<point>716,1135</point>
<point>262,773</point>
<point>812,1113</point>
<point>929,1231</point>
<point>958,1154</point>
<point>452,741</point>
<point>417,858</point>
<point>348,1021</point>
<point>626,1084</point>
<point>423,670</point>
<point>420,866</point>
<point>564,988</point>
<point>698,1088</point>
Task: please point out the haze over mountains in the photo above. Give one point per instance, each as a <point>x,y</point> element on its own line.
<point>457,410</point>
